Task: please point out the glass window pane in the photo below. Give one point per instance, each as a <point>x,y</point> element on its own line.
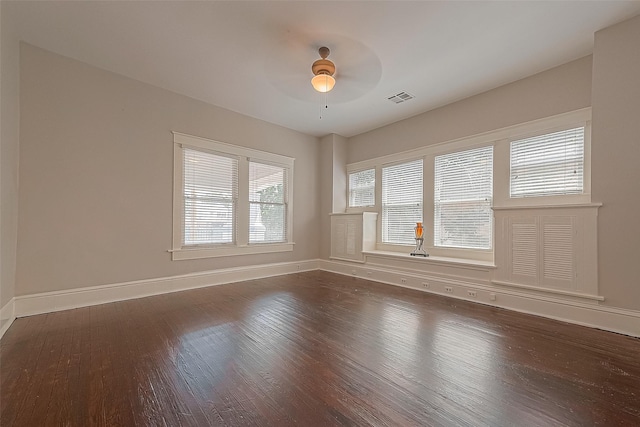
<point>401,202</point>
<point>548,165</point>
<point>267,203</point>
<point>210,192</point>
<point>362,186</point>
<point>462,199</point>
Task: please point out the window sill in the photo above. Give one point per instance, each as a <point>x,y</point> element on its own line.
<point>514,207</point>
<point>198,253</point>
<point>456,262</point>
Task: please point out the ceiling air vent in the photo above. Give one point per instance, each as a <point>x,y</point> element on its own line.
<point>400,97</point>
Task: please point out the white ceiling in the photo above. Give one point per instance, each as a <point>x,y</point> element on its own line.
<point>255,57</point>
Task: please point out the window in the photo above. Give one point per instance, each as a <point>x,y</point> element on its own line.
<point>267,203</point>
<point>229,200</point>
<point>210,196</point>
<point>548,165</point>
<point>362,187</point>
<point>401,201</point>
<point>465,181</point>
<point>463,189</point>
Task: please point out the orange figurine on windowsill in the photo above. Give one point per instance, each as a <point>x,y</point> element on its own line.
<point>419,230</point>
<point>419,251</point>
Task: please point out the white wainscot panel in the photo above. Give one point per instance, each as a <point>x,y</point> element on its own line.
<point>351,234</point>
<point>551,249</point>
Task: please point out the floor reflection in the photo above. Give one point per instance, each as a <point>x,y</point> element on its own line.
<point>463,361</point>
<point>207,357</point>
<point>399,328</point>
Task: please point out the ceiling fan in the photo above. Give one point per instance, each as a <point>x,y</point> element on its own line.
<point>323,71</point>
<point>287,69</point>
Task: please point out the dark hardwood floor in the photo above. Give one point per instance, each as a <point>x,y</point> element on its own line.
<point>313,349</point>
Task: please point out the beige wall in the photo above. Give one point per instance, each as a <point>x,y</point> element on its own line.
<point>615,161</point>
<point>339,173</point>
<point>333,185</point>
<point>96,173</point>
<point>561,89</point>
<point>325,177</point>
<point>9,138</point>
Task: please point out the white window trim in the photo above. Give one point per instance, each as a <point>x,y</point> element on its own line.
<point>501,168</point>
<point>500,139</point>
<point>511,132</point>
<point>481,255</point>
<point>369,208</point>
<point>242,245</point>
<point>377,190</point>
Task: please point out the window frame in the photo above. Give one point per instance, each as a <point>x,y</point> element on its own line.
<point>375,186</point>
<point>396,245</point>
<point>233,200</point>
<point>500,139</point>
<point>284,203</point>
<point>502,189</point>
<point>482,255</point>
<point>477,251</point>
<point>241,245</point>
<point>538,171</point>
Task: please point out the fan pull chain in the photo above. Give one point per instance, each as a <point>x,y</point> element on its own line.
<point>326,104</point>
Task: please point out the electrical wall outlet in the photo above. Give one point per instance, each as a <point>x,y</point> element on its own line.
<point>472,294</point>
<point>403,280</point>
<point>425,285</point>
<point>448,289</point>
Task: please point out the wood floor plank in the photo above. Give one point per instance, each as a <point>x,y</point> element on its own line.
<point>18,365</point>
<point>313,349</point>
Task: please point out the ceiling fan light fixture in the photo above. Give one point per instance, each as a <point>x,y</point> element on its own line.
<point>323,70</point>
<point>323,82</point>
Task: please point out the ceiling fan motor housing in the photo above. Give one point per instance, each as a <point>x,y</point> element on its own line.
<point>323,66</point>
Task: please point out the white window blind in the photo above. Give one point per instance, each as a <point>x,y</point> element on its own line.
<point>463,192</point>
<point>401,201</point>
<point>548,165</point>
<point>267,203</point>
<point>362,186</point>
<point>210,195</point>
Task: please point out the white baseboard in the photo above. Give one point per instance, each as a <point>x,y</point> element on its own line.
<point>556,307</point>
<point>7,316</point>
<point>48,302</point>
